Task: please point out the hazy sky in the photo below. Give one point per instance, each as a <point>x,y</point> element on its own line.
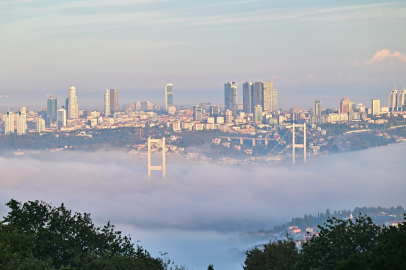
<point>312,48</point>
<point>193,213</point>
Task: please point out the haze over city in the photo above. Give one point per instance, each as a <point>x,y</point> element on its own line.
<point>204,129</point>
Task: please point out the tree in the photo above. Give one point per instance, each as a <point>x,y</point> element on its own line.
<point>210,267</point>
<point>337,241</point>
<point>280,254</point>
<point>41,236</point>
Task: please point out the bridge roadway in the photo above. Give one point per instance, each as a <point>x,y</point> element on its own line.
<point>246,138</point>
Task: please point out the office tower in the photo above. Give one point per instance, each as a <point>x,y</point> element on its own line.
<point>317,108</point>
<point>107,110</point>
<point>231,97</point>
<point>168,95</point>
<point>40,125</point>
<point>345,105</point>
<point>258,114</point>
<point>21,122</point>
<point>113,101</point>
<point>229,116</point>
<point>266,96</point>
<point>9,123</point>
<point>197,113</point>
<point>401,99</point>
<point>392,100</point>
<point>376,107</point>
<point>61,117</point>
<point>248,97</point>
<point>51,108</point>
<point>73,106</point>
<point>214,111</point>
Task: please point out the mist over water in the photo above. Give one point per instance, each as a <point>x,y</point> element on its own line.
<point>197,213</point>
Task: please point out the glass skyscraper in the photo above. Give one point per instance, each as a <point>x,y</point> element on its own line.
<point>168,95</point>
<point>51,108</point>
<point>231,97</point>
<point>248,97</point>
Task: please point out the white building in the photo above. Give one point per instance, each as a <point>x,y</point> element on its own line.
<point>392,100</point>
<point>61,117</point>
<point>376,107</point>
<point>40,125</point>
<point>21,123</point>
<point>107,110</point>
<point>73,106</point>
<point>9,123</point>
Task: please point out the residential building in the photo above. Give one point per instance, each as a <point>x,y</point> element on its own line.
<point>258,114</point>
<point>392,100</point>
<point>168,95</point>
<point>113,101</point>
<point>401,99</point>
<point>197,113</point>
<point>214,111</point>
<point>107,109</point>
<point>345,105</point>
<point>21,123</point>
<point>376,107</point>
<point>72,104</point>
<point>229,116</point>
<point>52,106</point>
<point>61,117</point>
<point>317,108</point>
<point>231,97</point>
<point>9,123</point>
<point>40,125</point>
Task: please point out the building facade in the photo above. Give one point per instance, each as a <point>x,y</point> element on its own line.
<point>61,117</point>
<point>197,113</point>
<point>40,125</point>
<point>168,95</point>
<point>266,96</point>
<point>317,108</point>
<point>401,100</point>
<point>248,97</point>
<point>345,105</point>
<point>72,104</point>
<point>9,123</point>
<point>52,106</point>
<point>21,123</point>
<point>392,100</point>
<point>113,101</point>
<point>258,114</point>
<point>107,107</point>
<point>231,97</point>
<point>376,107</point>
<point>214,111</point>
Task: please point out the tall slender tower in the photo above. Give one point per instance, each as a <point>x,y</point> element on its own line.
<point>248,95</point>
<point>401,99</point>
<point>197,113</point>
<point>376,106</point>
<point>9,123</point>
<point>51,108</point>
<point>392,100</point>
<point>113,100</point>
<point>231,97</point>
<point>73,106</point>
<point>317,108</point>
<point>61,117</point>
<point>107,106</point>
<point>168,95</point>
<point>21,122</point>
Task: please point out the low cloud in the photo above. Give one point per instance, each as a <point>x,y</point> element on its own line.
<point>382,55</point>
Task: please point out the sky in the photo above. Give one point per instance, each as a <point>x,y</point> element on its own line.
<point>198,212</point>
<point>315,48</point>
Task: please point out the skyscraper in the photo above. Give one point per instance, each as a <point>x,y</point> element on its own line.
<point>9,123</point>
<point>73,106</point>
<point>214,111</point>
<point>168,95</point>
<point>113,101</point>
<point>40,125</point>
<point>61,117</point>
<point>197,113</point>
<point>345,105</point>
<point>107,110</point>
<point>51,108</point>
<point>248,97</point>
<point>401,99</point>
<point>317,108</point>
<point>392,100</point>
<point>231,97</point>
<point>376,107</point>
<point>266,96</point>
<point>21,122</point>
<point>258,114</point>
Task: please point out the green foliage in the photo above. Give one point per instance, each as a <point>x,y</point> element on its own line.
<point>280,254</point>
<point>210,267</point>
<point>36,235</point>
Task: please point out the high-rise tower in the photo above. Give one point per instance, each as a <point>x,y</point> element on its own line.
<point>392,100</point>
<point>21,122</point>
<point>168,95</point>
<point>401,99</point>
<point>317,108</point>
<point>73,106</point>
<point>345,105</point>
<point>197,113</point>
<point>248,97</point>
<point>107,110</point>
<point>113,101</point>
<point>231,97</point>
<point>376,107</point>
<point>61,117</point>
<point>51,108</point>
<point>9,123</point>
<point>266,96</point>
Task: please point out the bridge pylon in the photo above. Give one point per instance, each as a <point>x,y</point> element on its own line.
<point>156,168</point>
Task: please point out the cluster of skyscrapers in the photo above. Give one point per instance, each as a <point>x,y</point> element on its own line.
<point>397,100</point>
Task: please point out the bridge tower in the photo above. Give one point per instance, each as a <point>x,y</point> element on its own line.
<point>294,145</point>
<point>156,168</point>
